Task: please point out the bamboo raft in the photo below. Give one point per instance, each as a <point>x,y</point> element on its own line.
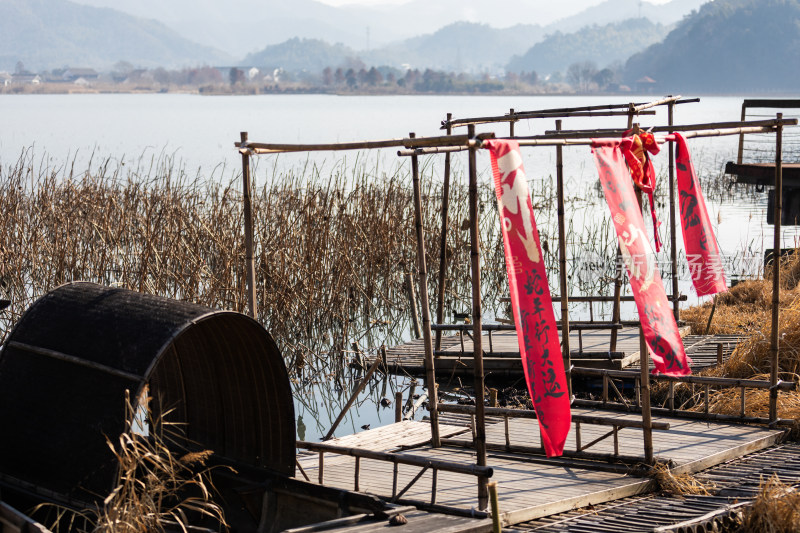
<point>591,350</point>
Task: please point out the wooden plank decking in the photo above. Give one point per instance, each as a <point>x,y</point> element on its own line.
<point>588,349</point>
<point>530,490</point>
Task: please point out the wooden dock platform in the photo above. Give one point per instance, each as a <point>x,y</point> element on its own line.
<point>532,486</point>
<point>732,485</point>
<point>589,349</point>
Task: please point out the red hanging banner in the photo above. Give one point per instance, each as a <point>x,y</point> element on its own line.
<point>658,322</point>
<point>699,241</point>
<point>531,303</point>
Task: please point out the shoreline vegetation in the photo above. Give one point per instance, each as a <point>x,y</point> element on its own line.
<point>219,89</point>
<point>222,89</point>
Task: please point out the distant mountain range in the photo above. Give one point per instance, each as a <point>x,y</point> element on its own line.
<point>243,26</point>
<point>57,33</point>
<point>737,45</point>
<point>617,10</point>
<point>602,45</point>
<point>459,47</point>
<point>728,46</point>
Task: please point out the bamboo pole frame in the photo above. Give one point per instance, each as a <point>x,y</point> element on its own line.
<point>562,265</point>
<point>477,320</point>
<point>446,144</point>
<point>776,274</point>
<point>443,243</point>
<point>430,373</point>
<point>673,231</point>
<point>248,231</point>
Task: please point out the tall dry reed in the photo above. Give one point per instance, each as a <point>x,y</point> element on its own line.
<point>157,488</point>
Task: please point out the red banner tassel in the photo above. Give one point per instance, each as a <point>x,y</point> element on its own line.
<point>655,313</point>
<point>699,241</point>
<point>643,172</point>
<point>531,303</point>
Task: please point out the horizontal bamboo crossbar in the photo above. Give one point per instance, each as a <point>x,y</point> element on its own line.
<point>699,380</point>
<point>406,459</point>
<point>541,114</point>
<point>586,456</point>
<point>529,413</point>
<point>606,299</point>
<point>510,327</point>
<point>566,112</point>
<point>496,354</point>
<point>555,140</point>
<point>616,132</point>
<point>416,142</point>
<point>664,101</point>
<point>431,150</point>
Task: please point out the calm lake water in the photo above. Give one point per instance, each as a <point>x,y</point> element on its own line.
<point>199,131</point>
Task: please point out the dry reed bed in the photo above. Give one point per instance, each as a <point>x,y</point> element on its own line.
<point>747,309</point>
<point>331,251</point>
<point>332,246</point>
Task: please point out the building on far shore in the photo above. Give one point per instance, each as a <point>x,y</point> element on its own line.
<point>26,78</point>
<point>74,74</point>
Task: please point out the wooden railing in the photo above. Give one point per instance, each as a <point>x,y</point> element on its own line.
<point>706,382</point>
<point>425,463</point>
<point>616,424</point>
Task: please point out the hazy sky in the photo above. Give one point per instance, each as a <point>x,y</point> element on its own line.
<point>384,2</point>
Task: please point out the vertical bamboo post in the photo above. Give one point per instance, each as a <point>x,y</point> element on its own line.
<point>411,293</point>
<point>511,124</point>
<point>398,406</point>
<point>477,320</point>
<point>496,525</point>
<point>776,272</point>
<point>430,374</point>
<point>615,311</point>
<point>443,244</point>
<point>673,238</point>
<point>740,153</point>
<point>644,359</point>
<point>248,230</point>
<point>562,264</point>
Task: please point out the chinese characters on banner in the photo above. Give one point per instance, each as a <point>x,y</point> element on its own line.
<point>702,252</point>
<point>539,344</point>
<point>655,313</point>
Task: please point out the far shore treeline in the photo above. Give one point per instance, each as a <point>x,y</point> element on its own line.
<point>719,47</point>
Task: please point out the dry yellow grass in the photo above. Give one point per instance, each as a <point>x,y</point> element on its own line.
<point>155,489</point>
<point>681,484</point>
<point>747,309</point>
<point>775,510</point>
